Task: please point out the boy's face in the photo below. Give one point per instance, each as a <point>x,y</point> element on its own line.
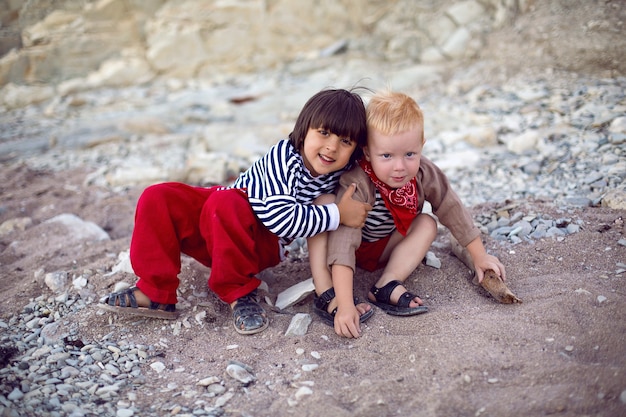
<point>324,152</point>
<point>395,158</point>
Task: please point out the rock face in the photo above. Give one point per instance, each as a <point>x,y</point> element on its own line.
<point>58,41</point>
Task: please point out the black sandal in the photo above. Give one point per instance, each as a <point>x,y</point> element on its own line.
<point>125,302</point>
<point>248,315</point>
<point>383,301</point>
<point>321,303</point>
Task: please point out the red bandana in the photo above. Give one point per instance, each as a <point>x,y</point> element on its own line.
<point>401,202</point>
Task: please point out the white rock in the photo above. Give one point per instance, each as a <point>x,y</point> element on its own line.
<point>465,12</point>
<point>240,373</point>
<point>295,293</point>
<point>123,263</point>
<point>124,412</point>
<point>56,281</point>
<point>79,229</point>
<point>299,325</point>
<point>309,367</point>
<point>222,400</point>
<point>157,367</point>
<point>456,45</point>
<point>15,395</point>
<point>79,282</point>
<point>303,392</point>
<point>618,125</point>
<point>205,382</point>
<point>432,260</point>
<point>524,142</point>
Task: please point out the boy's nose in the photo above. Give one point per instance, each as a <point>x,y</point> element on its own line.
<point>332,144</point>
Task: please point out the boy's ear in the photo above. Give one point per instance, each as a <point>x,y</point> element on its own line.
<point>366,153</point>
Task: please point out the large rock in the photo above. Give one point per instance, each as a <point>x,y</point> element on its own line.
<point>201,38</point>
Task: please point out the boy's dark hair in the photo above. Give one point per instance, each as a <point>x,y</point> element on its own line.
<point>341,112</point>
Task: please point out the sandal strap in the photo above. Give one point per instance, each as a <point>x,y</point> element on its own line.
<point>126,298</point>
<point>164,307</point>
<point>383,294</point>
<point>123,297</point>
<point>324,299</point>
<point>405,299</point>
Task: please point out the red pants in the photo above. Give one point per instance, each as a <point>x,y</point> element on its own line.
<point>369,253</point>
<point>215,227</point>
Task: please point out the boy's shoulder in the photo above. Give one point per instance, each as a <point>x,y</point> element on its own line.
<point>354,173</point>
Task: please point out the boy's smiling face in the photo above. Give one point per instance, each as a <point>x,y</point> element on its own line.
<point>395,158</point>
<point>324,152</point>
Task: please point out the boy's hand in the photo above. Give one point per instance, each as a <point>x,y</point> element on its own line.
<point>352,213</point>
<point>347,322</point>
<point>486,262</point>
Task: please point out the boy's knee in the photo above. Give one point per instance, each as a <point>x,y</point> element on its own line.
<point>227,201</point>
<point>155,194</point>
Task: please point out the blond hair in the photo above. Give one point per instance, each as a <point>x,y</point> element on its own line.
<point>390,112</point>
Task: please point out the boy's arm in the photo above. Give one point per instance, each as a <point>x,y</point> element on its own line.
<point>451,212</point>
<point>434,187</point>
<point>484,261</point>
<point>352,213</point>
<point>343,242</point>
<point>347,322</point>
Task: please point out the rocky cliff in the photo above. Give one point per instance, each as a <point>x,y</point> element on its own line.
<point>131,41</point>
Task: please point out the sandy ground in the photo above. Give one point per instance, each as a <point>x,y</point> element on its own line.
<point>561,352</point>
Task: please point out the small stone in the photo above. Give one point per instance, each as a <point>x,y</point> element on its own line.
<point>16,394</point>
<point>299,325</point>
<point>240,373</point>
<point>157,367</point>
<point>295,293</point>
<point>432,260</point>
<point>303,392</point>
<point>205,382</point>
<point>601,299</point>
<point>569,348</point>
<point>124,412</point>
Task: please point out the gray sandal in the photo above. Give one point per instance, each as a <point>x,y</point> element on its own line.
<point>125,302</point>
<point>248,315</point>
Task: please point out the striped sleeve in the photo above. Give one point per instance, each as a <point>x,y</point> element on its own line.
<point>281,192</point>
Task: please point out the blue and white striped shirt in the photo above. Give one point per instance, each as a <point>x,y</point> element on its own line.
<point>379,222</point>
<point>281,191</point>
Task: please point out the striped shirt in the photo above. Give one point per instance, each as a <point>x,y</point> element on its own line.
<point>379,222</point>
<point>281,191</point>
